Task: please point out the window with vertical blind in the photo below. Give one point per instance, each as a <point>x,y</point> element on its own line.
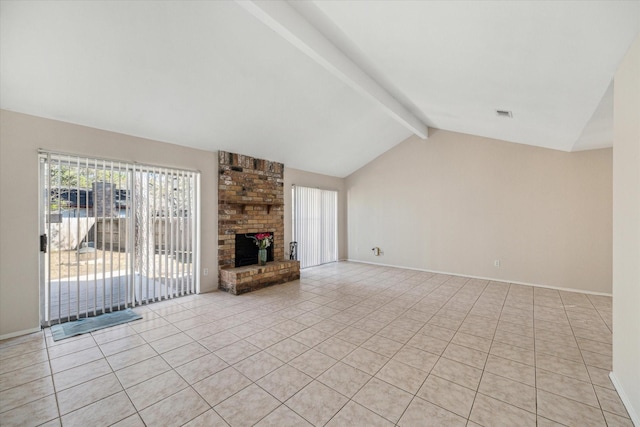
<point>315,225</point>
<point>114,235</point>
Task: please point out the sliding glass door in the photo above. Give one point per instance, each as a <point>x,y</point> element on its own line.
<point>114,235</point>
<point>315,225</point>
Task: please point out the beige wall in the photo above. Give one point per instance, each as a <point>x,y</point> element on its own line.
<point>626,231</point>
<point>314,180</point>
<point>455,203</point>
<point>20,137</point>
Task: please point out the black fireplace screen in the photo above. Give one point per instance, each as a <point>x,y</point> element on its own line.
<point>247,250</point>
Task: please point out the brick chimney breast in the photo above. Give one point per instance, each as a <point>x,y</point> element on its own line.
<point>251,200</point>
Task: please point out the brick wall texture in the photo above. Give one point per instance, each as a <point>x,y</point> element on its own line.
<point>250,200</point>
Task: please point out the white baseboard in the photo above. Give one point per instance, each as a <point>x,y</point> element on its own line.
<point>635,418</point>
<point>19,333</point>
<point>486,278</point>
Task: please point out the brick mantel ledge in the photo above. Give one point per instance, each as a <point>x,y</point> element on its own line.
<point>249,278</point>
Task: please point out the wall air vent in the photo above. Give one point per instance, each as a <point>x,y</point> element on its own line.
<point>504,113</point>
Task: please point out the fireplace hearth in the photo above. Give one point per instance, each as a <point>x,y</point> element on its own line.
<point>250,201</point>
<point>246,252</point>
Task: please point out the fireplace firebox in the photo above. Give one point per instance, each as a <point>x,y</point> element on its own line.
<point>246,252</point>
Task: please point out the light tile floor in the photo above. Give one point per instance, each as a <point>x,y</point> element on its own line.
<point>347,345</point>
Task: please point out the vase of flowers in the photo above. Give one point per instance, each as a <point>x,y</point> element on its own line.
<point>262,257</point>
<point>263,241</point>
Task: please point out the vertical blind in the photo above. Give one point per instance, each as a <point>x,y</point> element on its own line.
<point>315,225</point>
<point>118,235</point>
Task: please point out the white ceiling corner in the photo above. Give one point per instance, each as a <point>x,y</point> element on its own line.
<point>324,86</point>
<point>294,28</point>
<point>598,132</point>
<point>548,62</point>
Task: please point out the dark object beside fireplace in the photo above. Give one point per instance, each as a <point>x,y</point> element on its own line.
<point>247,250</point>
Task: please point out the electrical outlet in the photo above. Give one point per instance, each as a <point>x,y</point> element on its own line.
<point>205,271</point>
<point>496,263</point>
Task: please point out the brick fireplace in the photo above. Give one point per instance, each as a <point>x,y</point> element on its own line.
<point>251,200</point>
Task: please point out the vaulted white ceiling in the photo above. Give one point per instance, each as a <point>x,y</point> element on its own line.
<point>324,86</point>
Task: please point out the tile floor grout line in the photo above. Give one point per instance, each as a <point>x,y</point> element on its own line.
<point>52,381</point>
<point>485,362</point>
<point>336,282</point>
<point>124,390</point>
<point>415,395</point>
<point>585,364</point>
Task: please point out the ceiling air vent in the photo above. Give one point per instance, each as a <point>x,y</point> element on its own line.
<point>504,113</point>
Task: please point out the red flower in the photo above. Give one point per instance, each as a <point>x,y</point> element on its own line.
<point>263,240</point>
